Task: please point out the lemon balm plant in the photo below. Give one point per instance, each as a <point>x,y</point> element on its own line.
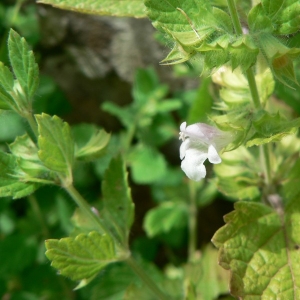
<point>248,49</point>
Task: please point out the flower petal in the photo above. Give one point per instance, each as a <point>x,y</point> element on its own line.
<point>182,127</point>
<point>193,165</point>
<point>183,147</point>
<point>213,155</point>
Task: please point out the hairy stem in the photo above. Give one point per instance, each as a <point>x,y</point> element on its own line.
<point>33,125</point>
<point>234,17</point>
<point>146,279</point>
<point>249,74</point>
<point>84,206</point>
<point>264,151</point>
<point>192,245</point>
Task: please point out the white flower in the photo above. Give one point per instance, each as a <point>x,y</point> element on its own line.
<point>199,142</point>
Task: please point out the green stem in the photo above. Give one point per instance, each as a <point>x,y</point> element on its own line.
<point>146,279</point>
<point>235,17</point>
<point>249,73</point>
<point>264,151</point>
<point>33,125</point>
<point>84,206</point>
<point>253,88</point>
<point>192,247</point>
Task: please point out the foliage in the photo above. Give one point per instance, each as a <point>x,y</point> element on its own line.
<point>250,52</point>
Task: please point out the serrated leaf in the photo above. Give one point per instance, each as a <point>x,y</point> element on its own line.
<point>284,15</point>
<point>260,246</point>
<point>147,164</point>
<point>165,217</point>
<point>194,26</point>
<point>23,63</point>
<point>118,206</point>
<point>56,144</point>
<point>81,257</point>
<point>94,147</point>
<point>118,8</point>
<point>6,78</point>
<point>11,184</point>
<point>271,127</point>
<point>26,152</point>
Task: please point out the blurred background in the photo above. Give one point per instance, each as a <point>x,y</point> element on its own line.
<point>87,63</point>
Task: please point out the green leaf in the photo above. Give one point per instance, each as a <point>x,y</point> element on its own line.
<point>165,217</point>
<point>7,102</point>
<point>237,175</point>
<point>207,278</point>
<point>195,26</point>
<point>147,164</point>
<point>118,206</point>
<point>56,144</point>
<point>124,114</point>
<point>260,246</point>
<point>123,8</point>
<point>28,161</point>
<point>23,63</point>
<point>258,20</point>
<point>82,257</point>
<point>94,147</point>
<point>10,183</point>
<point>6,78</point>
<point>271,127</point>
<point>284,15</point>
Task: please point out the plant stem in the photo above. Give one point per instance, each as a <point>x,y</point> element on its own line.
<point>83,205</point>
<point>31,121</point>
<point>146,279</point>
<point>253,88</point>
<point>192,221</point>
<point>234,17</point>
<point>264,151</point>
<point>249,73</point>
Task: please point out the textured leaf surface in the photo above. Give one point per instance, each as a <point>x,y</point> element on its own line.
<point>26,152</point>
<point>117,202</point>
<point>10,183</point>
<point>23,63</point>
<point>196,26</point>
<point>56,144</point>
<point>81,257</point>
<point>261,248</point>
<point>119,8</point>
